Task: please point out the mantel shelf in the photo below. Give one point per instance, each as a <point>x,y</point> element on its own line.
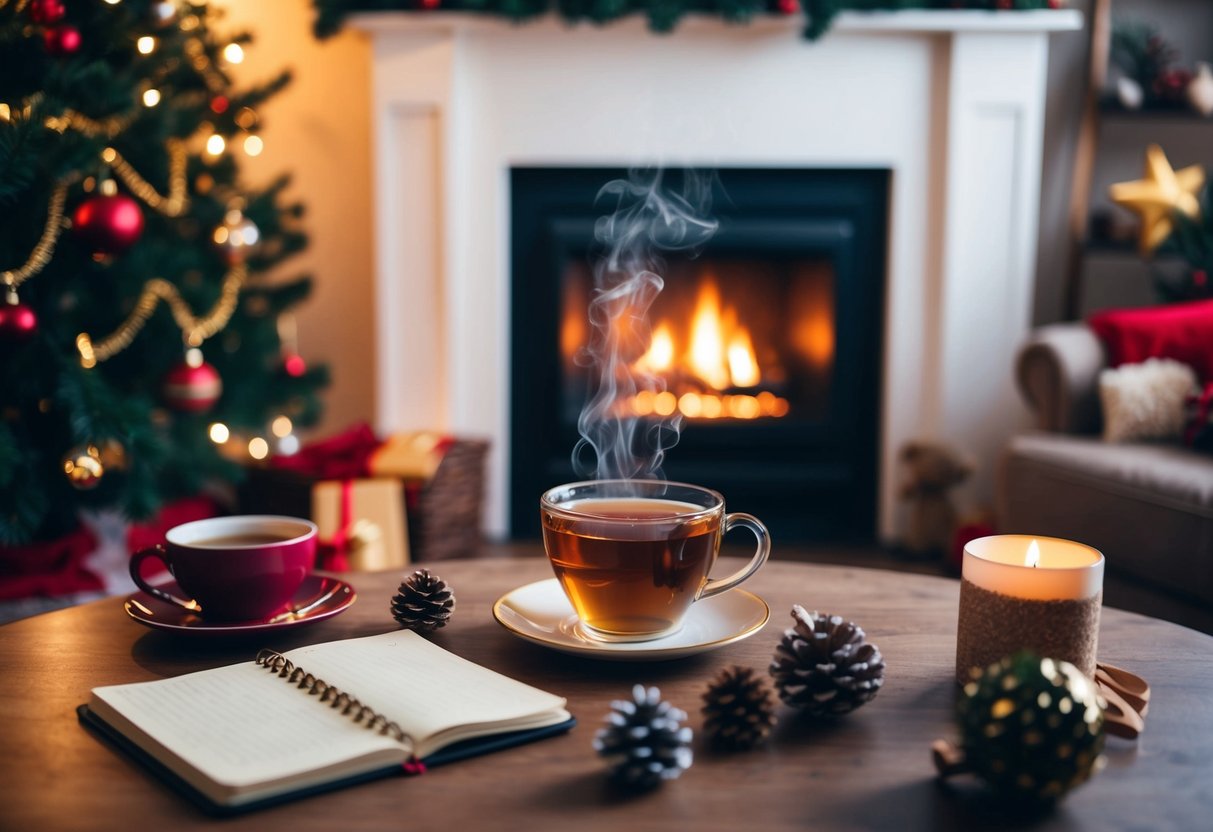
<point>891,22</point>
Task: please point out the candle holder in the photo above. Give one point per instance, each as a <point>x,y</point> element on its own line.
<point>1021,592</point>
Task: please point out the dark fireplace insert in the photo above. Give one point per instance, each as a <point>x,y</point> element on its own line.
<point>769,342</point>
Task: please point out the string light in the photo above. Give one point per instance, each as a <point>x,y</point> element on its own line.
<point>146,45</point>
<point>282,426</point>
<point>288,445</point>
<point>219,433</point>
<point>246,118</point>
<point>215,144</point>
<point>233,53</point>
<point>258,448</point>
<point>113,2</point>
<point>151,97</point>
<point>253,145</point>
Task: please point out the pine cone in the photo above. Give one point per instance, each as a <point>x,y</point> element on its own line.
<point>738,710</point>
<point>824,665</point>
<point>643,743</point>
<point>424,602</point>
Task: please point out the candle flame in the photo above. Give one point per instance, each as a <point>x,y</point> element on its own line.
<point>1033,556</point>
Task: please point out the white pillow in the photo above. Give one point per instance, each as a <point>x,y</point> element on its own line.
<point>1145,401</point>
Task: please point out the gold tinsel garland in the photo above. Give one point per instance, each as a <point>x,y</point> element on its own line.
<point>45,247</point>
<point>172,205</point>
<point>194,329</point>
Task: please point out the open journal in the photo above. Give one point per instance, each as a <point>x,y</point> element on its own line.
<point>319,717</point>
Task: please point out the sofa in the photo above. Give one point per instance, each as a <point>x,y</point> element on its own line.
<point>1147,506</point>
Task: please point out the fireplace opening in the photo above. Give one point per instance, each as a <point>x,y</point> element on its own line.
<point>768,342</point>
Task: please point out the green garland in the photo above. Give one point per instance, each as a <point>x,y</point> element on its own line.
<point>663,15</point>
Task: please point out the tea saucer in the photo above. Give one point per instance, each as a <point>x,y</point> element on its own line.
<point>541,613</point>
<point>318,597</point>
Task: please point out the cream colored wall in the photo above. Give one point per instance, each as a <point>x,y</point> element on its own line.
<point>318,129</point>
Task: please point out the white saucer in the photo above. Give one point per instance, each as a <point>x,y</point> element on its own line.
<point>541,613</point>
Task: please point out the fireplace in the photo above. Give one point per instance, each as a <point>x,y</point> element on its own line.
<point>769,343</point>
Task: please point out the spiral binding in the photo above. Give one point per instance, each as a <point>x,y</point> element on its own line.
<point>279,664</point>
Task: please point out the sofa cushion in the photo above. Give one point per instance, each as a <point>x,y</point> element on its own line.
<point>1147,507</point>
<point>1183,331</point>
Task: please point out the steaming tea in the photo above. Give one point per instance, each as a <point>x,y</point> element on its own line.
<point>632,565</point>
<point>247,539</point>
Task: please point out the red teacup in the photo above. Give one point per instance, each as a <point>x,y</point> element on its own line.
<point>233,568</point>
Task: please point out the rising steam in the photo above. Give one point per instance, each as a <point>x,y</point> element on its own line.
<point>648,219</point>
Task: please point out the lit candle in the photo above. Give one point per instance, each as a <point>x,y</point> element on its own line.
<point>1018,592</point>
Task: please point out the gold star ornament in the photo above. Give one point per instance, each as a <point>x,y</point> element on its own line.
<point>1157,197</point>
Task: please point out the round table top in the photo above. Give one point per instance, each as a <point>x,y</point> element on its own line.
<point>869,770</point>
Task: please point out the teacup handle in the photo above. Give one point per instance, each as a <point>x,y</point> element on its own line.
<point>745,521</point>
<point>157,552</point>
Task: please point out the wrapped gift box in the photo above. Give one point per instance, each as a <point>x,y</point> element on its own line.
<point>442,479</point>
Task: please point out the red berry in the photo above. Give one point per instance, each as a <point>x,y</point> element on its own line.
<point>62,40</point>
<point>45,12</point>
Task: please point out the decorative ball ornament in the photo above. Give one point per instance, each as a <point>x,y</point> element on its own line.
<point>107,225</point>
<point>236,237</point>
<point>738,709</point>
<point>62,40</point>
<point>787,7</point>
<point>294,365</point>
<point>162,14</point>
<point>424,602</point>
<point>18,323</point>
<point>430,5</point>
<point>46,12</point>
<point>193,386</point>
<point>643,743</point>
<point>825,665</point>
<point>1158,196</point>
<point>83,467</point>
<point>1032,728</point>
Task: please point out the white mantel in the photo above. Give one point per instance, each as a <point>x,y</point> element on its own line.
<point>952,102</point>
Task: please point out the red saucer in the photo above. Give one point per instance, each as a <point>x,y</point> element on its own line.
<point>331,596</point>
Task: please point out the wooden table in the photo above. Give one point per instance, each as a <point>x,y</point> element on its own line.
<point>871,770</point>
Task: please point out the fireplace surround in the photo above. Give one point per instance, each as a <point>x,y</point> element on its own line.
<point>950,102</point>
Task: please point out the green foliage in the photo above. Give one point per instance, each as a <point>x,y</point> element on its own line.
<point>663,15</point>
<point>49,403</point>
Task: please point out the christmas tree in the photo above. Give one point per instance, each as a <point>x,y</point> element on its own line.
<point>142,355</point>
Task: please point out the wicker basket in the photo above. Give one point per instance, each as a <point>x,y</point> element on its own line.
<point>445,521</point>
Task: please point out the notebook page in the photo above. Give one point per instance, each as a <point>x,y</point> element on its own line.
<point>420,686</point>
<point>241,724</point>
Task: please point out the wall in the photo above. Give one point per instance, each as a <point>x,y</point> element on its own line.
<point>319,130</point>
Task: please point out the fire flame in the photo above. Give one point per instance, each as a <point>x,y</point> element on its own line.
<point>1032,558</point>
<point>719,355</point>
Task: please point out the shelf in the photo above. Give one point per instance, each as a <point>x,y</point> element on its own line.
<point>1111,110</point>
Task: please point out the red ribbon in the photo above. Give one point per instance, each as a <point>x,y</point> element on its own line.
<point>346,456</point>
<point>332,552</point>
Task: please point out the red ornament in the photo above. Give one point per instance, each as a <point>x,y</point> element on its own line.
<point>430,4</point>
<point>108,224</point>
<point>18,323</point>
<point>787,7</point>
<point>61,41</point>
<point>192,388</point>
<point>219,104</point>
<point>294,365</point>
<point>45,12</point>
<point>1004,5</point>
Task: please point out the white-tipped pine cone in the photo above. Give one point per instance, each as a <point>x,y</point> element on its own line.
<point>824,665</point>
<point>643,743</point>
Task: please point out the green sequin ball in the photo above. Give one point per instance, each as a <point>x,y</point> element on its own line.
<point>1032,728</point>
